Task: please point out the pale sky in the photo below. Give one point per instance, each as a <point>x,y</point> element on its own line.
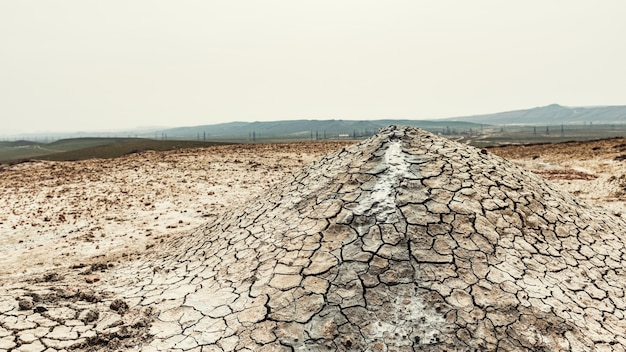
<point>72,65</point>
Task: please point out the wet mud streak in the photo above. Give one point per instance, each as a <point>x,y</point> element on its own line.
<point>392,169</point>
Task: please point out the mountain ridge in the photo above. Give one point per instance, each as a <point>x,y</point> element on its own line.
<point>332,128</point>
<point>552,114</point>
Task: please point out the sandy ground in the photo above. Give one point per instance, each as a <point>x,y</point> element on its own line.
<point>73,214</point>
<point>592,171</point>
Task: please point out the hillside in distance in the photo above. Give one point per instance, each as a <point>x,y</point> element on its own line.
<point>553,114</point>
<point>88,148</point>
<point>23,149</point>
<point>300,129</point>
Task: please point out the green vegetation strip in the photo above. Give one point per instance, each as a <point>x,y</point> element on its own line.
<point>115,148</point>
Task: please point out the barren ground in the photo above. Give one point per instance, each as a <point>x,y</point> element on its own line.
<point>57,215</point>
<point>64,214</point>
<point>593,171</point>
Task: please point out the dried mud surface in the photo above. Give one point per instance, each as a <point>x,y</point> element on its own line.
<point>592,171</point>
<point>57,215</point>
<point>62,214</point>
<point>407,242</point>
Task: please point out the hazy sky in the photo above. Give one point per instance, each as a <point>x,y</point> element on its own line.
<point>73,65</point>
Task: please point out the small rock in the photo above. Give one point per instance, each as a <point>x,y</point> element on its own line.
<point>51,277</point>
<point>124,332</point>
<point>67,293</point>
<point>25,304</point>
<point>99,266</point>
<point>90,279</point>
<point>119,305</point>
<point>40,309</point>
<point>89,315</point>
<point>36,297</point>
<point>141,323</point>
<point>89,296</point>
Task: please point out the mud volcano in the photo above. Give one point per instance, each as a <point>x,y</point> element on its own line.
<point>406,241</point>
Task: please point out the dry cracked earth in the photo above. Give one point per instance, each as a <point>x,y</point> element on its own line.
<point>403,242</point>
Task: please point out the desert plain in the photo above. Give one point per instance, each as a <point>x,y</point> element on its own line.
<point>62,218</point>
<point>77,228</point>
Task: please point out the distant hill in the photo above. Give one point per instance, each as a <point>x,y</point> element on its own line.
<point>298,129</point>
<point>120,148</point>
<point>301,129</point>
<point>14,144</point>
<point>552,114</point>
<point>87,148</point>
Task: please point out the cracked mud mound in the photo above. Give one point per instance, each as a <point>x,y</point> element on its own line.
<point>406,241</point>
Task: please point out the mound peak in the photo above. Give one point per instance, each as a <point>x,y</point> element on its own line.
<point>406,241</point>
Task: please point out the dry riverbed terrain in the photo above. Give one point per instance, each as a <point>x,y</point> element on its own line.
<point>593,171</point>
<point>59,215</point>
<point>92,214</point>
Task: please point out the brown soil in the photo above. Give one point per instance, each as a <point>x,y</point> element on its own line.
<point>593,171</point>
